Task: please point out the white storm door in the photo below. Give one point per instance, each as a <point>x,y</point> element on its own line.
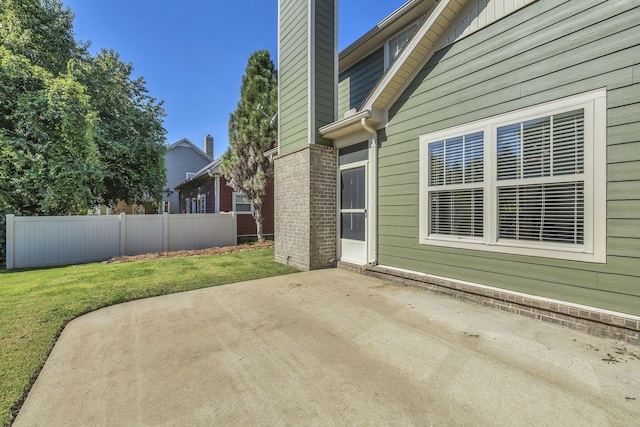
<point>353,213</point>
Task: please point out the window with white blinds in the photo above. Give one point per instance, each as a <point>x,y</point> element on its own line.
<point>455,186</point>
<point>529,182</point>
<point>540,179</point>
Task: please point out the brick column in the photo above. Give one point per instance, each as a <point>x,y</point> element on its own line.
<point>305,207</point>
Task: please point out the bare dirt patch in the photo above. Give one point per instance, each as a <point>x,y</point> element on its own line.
<point>198,252</point>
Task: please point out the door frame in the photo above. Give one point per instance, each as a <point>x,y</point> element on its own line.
<point>371,196</point>
<point>365,243</point>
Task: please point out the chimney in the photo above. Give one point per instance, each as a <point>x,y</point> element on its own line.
<point>306,170</point>
<point>208,145</point>
<point>307,42</point>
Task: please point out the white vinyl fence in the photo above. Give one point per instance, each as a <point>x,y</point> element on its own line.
<point>40,241</point>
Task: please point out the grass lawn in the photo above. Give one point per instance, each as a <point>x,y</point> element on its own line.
<point>36,304</point>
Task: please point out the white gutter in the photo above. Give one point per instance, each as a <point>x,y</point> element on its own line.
<point>350,124</point>
<point>372,223</point>
<point>270,153</point>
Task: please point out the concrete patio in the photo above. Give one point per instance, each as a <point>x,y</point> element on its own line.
<point>328,347</point>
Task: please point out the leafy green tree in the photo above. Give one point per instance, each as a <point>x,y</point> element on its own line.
<point>252,133</point>
<point>41,31</point>
<point>129,132</point>
<point>75,130</point>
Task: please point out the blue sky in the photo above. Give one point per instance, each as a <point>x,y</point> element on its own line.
<point>193,53</point>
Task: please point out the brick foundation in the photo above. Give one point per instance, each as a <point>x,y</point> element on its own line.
<point>305,207</point>
<point>586,319</point>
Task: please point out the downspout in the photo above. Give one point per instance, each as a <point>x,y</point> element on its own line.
<point>373,205</point>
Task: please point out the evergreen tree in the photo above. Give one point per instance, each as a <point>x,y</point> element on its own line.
<point>252,133</point>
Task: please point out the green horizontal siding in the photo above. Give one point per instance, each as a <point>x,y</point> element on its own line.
<point>356,82</point>
<point>623,209</point>
<point>325,61</point>
<point>297,111</point>
<point>629,152</point>
<point>293,74</point>
<point>545,51</point>
<point>623,171</point>
<point>608,300</point>
<point>623,115</point>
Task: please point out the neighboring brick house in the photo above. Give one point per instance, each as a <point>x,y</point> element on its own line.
<point>182,160</point>
<point>207,192</point>
<point>487,148</point>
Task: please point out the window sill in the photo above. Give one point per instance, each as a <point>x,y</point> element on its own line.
<point>563,252</point>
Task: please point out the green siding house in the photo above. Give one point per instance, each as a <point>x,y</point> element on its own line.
<point>488,149</point>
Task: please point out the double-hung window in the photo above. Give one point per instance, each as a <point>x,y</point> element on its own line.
<point>530,182</point>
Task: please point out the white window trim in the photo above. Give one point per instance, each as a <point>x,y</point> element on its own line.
<point>189,174</point>
<point>235,194</point>
<point>595,151</point>
<point>387,57</point>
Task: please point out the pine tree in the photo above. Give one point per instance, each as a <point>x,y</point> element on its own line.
<point>252,133</point>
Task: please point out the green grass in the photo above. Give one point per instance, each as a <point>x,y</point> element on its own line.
<point>35,305</point>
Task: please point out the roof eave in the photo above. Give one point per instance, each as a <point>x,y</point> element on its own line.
<point>378,35</point>
<point>350,125</point>
<point>420,47</point>
<point>211,169</point>
<point>190,144</point>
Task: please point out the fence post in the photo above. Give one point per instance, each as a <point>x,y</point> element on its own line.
<point>10,238</point>
<point>165,231</point>
<point>123,234</point>
<point>234,215</point>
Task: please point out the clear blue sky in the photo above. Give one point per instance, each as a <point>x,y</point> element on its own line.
<point>193,53</point>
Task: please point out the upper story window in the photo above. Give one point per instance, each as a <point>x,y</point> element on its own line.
<point>189,174</point>
<point>530,182</point>
<point>395,44</point>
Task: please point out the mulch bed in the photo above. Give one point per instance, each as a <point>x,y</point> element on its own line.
<point>198,252</point>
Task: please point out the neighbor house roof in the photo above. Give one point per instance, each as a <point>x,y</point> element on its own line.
<point>184,142</point>
<point>209,170</point>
